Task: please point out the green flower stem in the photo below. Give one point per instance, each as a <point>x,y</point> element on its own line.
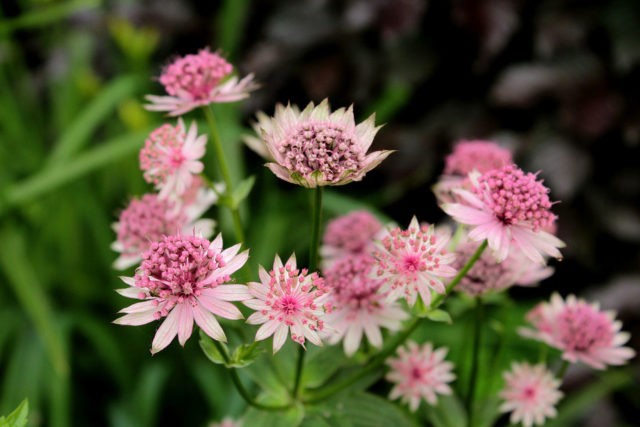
<point>316,225</point>
<point>376,361</point>
<point>475,358</point>
<point>238,384</point>
<point>224,171</point>
<point>562,370</point>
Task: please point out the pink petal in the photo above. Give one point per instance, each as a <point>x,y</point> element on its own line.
<point>166,332</point>
<point>229,292</point>
<point>279,337</point>
<point>185,322</point>
<point>208,323</point>
<point>267,329</point>
<point>221,308</point>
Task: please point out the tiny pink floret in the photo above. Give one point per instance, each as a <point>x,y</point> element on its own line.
<point>349,234</point>
<point>478,155</point>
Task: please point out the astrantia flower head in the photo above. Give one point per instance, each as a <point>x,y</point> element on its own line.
<point>510,209</point>
<point>287,299</point>
<point>350,234</point>
<point>581,331</point>
<point>413,261</point>
<point>199,79</point>
<point>419,372</point>
<point>316,147</point>
<point>358,305</point>
<point>171,157</point>
<point>530,394</point>
<point>150,218</point>
<point>184,278</point>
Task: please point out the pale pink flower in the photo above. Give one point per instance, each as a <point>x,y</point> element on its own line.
<point>287,299</point>
<point>316,147</point>
<point>511,210</point>
<point>349,234</point>
<point>580,330</point>
<point>227,422</point>
<point>530,394</point>
<point>171,157</point>
<point>419,372</point>
<point>413,261</point>
<point>150,218</point>
<point>184,278</point>
<point>196,80</point>
<point>468,156</point>
<point>358,305</point>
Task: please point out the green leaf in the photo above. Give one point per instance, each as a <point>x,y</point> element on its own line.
<point>438,315</point>
<point>448,412</point>
<point>210,350</point>
<point>245,355</point>
<point>242,191</point>
<point>47,15</point>
<point>365,410</point>
<point>18,418</point>
<point>289,418</point>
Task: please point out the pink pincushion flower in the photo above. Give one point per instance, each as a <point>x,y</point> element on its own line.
<point>184,279</point>
<point>358,305</point>
<point>150,218</point>
<point>510,209</point>
<point>419,372</point>
<point>469,156</point>
<point>349,234</point>
<point>171,157</point>
<point>316,147</point>
<point>413,261</point>
<point>530,394</point>
<point>196,80</point>
<point>580,330</point>
<point>287,299</point>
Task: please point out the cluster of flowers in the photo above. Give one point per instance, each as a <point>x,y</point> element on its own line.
<point>371,274</point>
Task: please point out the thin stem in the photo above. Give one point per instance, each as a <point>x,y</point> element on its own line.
<point>563,369</point>
<point>224,171</point>
<point>298,377</point>
<point>376,361</point>
<point>475,358</point>
<point>243,391</point>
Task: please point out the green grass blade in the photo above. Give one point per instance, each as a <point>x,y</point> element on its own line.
<point>46,15</point>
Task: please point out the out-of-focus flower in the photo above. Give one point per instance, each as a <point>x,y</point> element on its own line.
<point>150,218</point>
<point>316,147</point>
<point>286,300</point>
<point>510,209</point>
<point>171,157</point>
<point>196,80</point>
<point>530,394</point>
<point>413,261</point>
<point>580,330</point>
<point>184,278</point>
<point>419,372</point>
<point>469,156</point>
<point>349,234</point>
<point>227,422</point>
<point>358,306</point>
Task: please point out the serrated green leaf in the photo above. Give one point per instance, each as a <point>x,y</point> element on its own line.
<point>210,350</point>
<point>242,191</point>
<point>17,418</point>
<point>245,355</point>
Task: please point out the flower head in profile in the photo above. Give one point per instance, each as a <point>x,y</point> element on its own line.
<point>580,330</point>
<point>150,218</point>
<point>469,156</point>
<point>419,372</point>
<point>316,147</point>
<point>413,262</point>
<point>171,157</point>
<point>199,79</point>
<point>511,210</point>
<point>530,394</point>
<point>350,234</point>
<point>287,300</point>
<point>358,305</point>
<point>185,279</point>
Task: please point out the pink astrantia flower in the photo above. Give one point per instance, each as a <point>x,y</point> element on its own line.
<point>358,305</point>
<point>316,147</point>
<point>196,80</point>
<point>510,209</point>
<point>287,299</point>
<point>227,422</point>
<point>150,218</point>
<point>349,234</point>
<point>184,279</point>
<point>530,394</point>
<point>419,372</point>
<point>469,156</point>
<point>171,157</point>
<point>580,330</point>
<point>413,261</point>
